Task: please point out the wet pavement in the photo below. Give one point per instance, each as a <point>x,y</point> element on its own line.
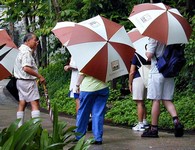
<point>115,138</point>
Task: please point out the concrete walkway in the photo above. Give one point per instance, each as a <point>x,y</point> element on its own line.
<point>115,138</point>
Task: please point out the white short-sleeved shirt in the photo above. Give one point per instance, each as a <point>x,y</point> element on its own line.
<point>74,76</point>
<point>157,49</point>
<point>24,58</point>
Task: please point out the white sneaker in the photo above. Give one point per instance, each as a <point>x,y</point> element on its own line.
<point>138,127</point>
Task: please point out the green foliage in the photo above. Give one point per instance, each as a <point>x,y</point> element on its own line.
<point>65,104</point>
<point>120,111</point>
<point>31,136</point>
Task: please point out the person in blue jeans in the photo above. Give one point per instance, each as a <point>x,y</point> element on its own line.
<point>93,97</point>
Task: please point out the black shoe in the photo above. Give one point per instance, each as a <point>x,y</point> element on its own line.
<point>97,142</point>
<point>178,130</point>
<point>150,133</point>
<point>89,127</point>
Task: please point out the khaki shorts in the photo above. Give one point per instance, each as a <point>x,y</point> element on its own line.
<point>160,88</point>
<point>28,90</point>
<point>139,90</point>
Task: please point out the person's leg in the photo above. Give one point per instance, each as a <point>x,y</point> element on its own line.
<point>20,112</point>
<point>98,113</point>
<point>138,90</point>
<point>172,110</point>
<point>35,109</point>
<point>140,110</point>
<point>140,114</point>
<point>170,107</point>
<point>77,104</point>
<point>144,115</point>
<point>155,112</point>
<point>153,131</point>
<point>82,119</point>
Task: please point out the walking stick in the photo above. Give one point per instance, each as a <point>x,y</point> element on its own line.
<point>48,102</point>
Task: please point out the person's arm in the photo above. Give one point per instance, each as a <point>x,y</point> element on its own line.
<point>131,74</point>
<point>149,56</point>
<point>30,71</point>
<point>79,81</point>
<point>151,47</point>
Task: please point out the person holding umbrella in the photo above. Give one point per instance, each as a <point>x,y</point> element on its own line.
<point>160,89</point>
<point>26,72</point>
<point>93,97</point>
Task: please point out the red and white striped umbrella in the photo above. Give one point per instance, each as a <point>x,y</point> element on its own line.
<point>63,31</point>
<point>161,22</point>
<point>101,48</point>
<point>8,53</point>
<point>139,42</point>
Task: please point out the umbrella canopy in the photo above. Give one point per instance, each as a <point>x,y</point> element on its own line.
<point>139,42</point>
<point>8,53</point>
<point>161,22</point>
<point>63,31</point>
<point>101,48</point>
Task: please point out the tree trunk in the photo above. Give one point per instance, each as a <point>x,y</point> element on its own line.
<point>44,50</point>
<point>57,9</point>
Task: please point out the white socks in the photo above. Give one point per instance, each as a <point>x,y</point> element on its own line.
<point>35,113</point>
<point>20,114</point>
<point>145,122</point>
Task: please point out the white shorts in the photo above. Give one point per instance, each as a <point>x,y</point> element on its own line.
<point>28,90</point>
<point>160,88</point>
<point>139,90</point>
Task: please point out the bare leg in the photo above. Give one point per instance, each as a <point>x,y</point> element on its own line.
<point>155,111</point>
<point>35,109</point>
<point>35,105</point>
<point>140,110</point>
<point>170,107</point>
<point>20,112</point>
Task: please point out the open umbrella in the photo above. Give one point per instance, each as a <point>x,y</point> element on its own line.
<point>101,48</point>
<point>63,31</point>
<point>139,42</point>
<point>8,53</point>
<point>161,22</point>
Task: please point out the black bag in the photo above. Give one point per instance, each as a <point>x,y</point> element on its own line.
<point>172,61</point>
<point>11,87</point>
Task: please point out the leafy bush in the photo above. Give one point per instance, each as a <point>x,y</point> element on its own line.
<point>31,136</point>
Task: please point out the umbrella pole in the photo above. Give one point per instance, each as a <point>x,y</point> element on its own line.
<point>48,103</point>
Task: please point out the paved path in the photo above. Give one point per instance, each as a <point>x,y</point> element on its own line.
<point>115,138</point>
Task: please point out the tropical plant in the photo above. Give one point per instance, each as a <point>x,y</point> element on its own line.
<point>31,136</point>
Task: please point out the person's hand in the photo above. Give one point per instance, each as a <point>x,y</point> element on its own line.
<point>42,80</point>
<point>77,89</point>
<point>67,67</point>
<point>130,87</point>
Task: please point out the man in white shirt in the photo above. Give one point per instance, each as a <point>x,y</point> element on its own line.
<point>26,72</point>
<point>160,89</point>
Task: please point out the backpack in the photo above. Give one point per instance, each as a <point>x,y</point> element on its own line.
<point>172,61</point>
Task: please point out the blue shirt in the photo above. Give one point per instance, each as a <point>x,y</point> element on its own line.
<point>136,62</point>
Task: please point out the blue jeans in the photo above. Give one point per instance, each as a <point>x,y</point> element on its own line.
<point>95,103</point>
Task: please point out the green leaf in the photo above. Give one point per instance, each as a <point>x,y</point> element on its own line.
<point>7,145</point>
<point>44,141</point>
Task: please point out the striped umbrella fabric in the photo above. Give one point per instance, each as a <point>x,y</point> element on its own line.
<point>139,42</point>
<point>161,22</point>
<point>101,48</point>
<point>8,53</point>
<point>63,31</point>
